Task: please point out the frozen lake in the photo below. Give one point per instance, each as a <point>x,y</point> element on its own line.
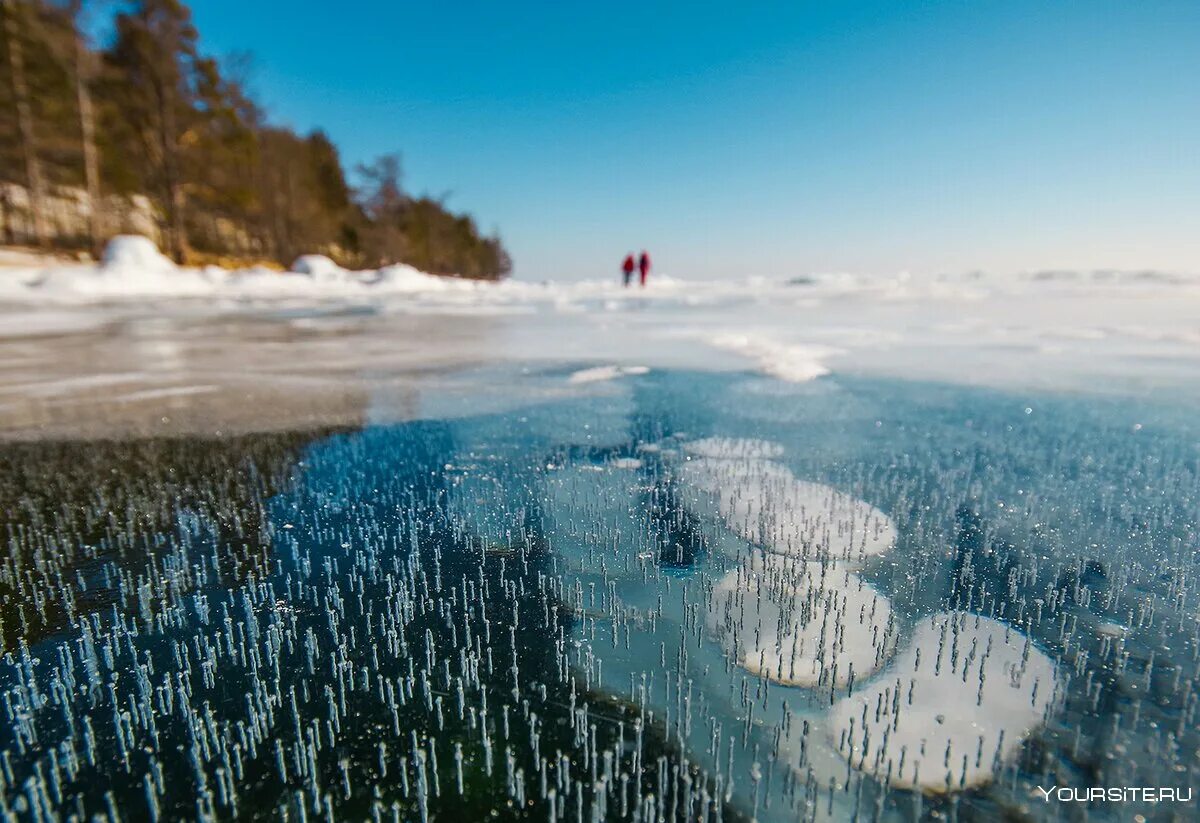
<point>812,550</point>
<point>100,350</point>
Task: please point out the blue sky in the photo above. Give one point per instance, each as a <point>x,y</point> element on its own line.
<point>763,139</point>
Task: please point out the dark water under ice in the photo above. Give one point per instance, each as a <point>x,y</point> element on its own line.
<point>506,611</point>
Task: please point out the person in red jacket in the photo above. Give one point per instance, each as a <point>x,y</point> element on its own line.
<point>627,268</point>
<point>644,266</point>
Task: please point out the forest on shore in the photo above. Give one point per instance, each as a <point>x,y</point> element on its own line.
<point>145,133</point>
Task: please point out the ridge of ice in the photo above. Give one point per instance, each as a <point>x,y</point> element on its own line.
<point>318,267</point>
<point>796,363</point>
<point>598,374</point>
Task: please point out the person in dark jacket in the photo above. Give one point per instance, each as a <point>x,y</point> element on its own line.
<point>627,268</point>
<point>644,266</point>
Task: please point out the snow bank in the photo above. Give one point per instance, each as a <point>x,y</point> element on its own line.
<point>400,278</point>
<point>318,267</point>
<point>130,265</point>
<point>132,255</point>
<point>133,269</point>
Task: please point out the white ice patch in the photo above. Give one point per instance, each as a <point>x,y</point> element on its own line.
<point>599,373</point>
<point>402,279</point>
<point>734,448</point>
<point>953,710</point>
<point>796,363</point>
<point>626,463</point>
<point>764,503</point>
<point>802,624</point>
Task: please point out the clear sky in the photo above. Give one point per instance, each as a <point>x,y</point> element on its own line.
<point>735,139</point>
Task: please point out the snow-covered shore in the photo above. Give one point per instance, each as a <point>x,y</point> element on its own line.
<point>132,269</point>
<point>1083,330</point>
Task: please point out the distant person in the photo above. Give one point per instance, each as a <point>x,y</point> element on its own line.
<point>644,266</point>
<point>627,268</point>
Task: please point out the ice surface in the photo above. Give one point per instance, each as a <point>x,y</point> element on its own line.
<point>423,617</point>
<point>1090,331</point>
<point>570,551</point>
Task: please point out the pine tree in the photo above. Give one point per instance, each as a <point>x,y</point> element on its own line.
<point>155,58</point>
<point>220,162</point>
<point>14,12</point>
<point>152,117</point>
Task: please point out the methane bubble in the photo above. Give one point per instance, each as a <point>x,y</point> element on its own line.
<point>590,593</point>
